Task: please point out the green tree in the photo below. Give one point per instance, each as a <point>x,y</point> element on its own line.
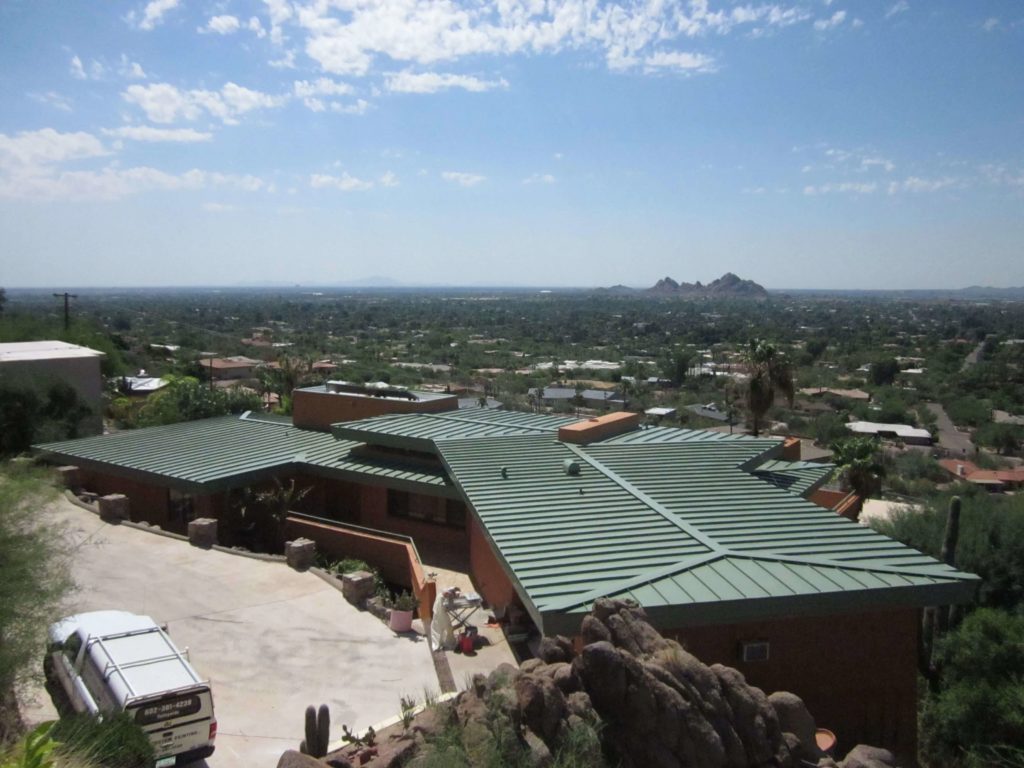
<point>770,375</point>
<point>27,418</point>
<point>186,399</point>
<point>978,712</point>
<point>859,466</point>
<point>884,371</point>
<point>33,573</point>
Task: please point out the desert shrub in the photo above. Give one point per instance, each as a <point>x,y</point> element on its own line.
<point>979,709</point>
<point>116,741</point>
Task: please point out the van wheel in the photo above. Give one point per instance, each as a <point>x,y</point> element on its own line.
<point>58,695</point>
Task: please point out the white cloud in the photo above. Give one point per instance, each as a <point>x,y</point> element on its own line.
<point>917,184</point>
<point>462,179</point>
<point>287,61</point>
<point>874,161</point>
<point>131,70</point>
<point>345,182</point>
<point>349,37</point>
<point>358,107</point>
<point>837,18</point>
<point>164,103</point>
<point>154,12</point>
<point>95,71</point>
<point>219,207</point>
<point>681,61</point>
<point>845,187</point>
<point>539,178</point>
<point>77,70</point>
<point>148,133</point>
<point>52,99</point>
<point>990,24</point>
<point>388,179</point>
<point>254,26</point>
<point>112,183</point>
<point>902,6</point>
<point>47,146</point>
<point>432,82</point>
<point>322,87</point>
<point>222,25</point>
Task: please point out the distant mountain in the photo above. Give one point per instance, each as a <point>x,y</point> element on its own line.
<point>727,286</point>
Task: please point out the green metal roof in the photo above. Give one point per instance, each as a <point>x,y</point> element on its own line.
<point>213,454</point>
<point>696,526</point>
<point>420,431</point>
<point>801,477</point>
<point>685,525</point>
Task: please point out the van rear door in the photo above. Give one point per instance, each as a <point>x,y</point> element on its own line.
<point>179,723</point>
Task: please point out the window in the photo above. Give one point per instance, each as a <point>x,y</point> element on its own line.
<point>427,509</point>
<point>754,651</point>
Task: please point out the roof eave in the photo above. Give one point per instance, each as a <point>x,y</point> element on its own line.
<point>955,591</point>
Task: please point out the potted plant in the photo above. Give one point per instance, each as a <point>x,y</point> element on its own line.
<point>402,608</point>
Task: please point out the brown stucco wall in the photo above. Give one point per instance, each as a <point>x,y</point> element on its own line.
<point>374,514</point>
<point>488,574</point>
<point>857,673</point>
<point>318,410</point>
<point>147,503</point>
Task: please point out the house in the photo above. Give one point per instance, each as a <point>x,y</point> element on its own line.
<point>995,480</point>
<point>601,399</point>
<point>39,364</point>
<point>141,385</point>
<point>712,533</point>
<point>858,395</point>
<point>906,433</point>
<point>224,368</point>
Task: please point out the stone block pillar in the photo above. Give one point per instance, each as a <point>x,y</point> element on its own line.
<point>357,586</point>
<point>70,477</point>
<point>300,554</point>
<point>202,532</point>
<point>115,507</point>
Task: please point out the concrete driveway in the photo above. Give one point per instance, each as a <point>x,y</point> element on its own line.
<point>271,640</point>
<point>952,439</point>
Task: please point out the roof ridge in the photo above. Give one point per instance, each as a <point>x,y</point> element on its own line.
<point>690,530</point>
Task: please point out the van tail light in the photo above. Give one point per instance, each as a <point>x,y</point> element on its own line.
<point>213,730</point>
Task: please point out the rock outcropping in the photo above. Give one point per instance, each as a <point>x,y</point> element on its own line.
<point>629,697</point>
<point>727,286</point>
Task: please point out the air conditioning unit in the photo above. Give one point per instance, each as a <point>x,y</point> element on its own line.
<point>754,651</point>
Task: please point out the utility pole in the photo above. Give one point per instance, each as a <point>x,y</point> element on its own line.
<point>67,307</point>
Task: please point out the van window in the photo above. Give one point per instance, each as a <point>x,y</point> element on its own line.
<point>168,709</point>
<point>72,646</point>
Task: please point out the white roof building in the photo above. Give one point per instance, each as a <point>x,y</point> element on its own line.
<point>903,432</point>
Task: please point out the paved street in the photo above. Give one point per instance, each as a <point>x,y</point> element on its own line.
<point>949,437</point>
<point>271,640</point>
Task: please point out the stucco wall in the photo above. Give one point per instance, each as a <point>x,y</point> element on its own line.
<point>318,410</point>
<point>857,673</point>
<point>81,373</point>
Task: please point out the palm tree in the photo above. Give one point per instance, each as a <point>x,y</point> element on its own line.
<point>858,465</point>
<point>770,375</point>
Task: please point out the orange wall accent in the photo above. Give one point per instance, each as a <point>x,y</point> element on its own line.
<point>318,410</point>
<point>396,560</point>
<point>791,449</point>
<point>488,574</point>
<point>857,673</point>
<point>599,427</point>
<point>846,504</point>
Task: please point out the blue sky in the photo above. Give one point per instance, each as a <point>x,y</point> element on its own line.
<point>520,142</point>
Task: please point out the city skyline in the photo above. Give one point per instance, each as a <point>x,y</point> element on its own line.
<point>822,144</point>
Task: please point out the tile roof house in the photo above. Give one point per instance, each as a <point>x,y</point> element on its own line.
<point>712,533</point>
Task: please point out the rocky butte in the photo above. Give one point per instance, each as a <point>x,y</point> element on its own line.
<point>625,697</point>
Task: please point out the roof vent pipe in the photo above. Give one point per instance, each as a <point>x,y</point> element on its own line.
<point>571,467</point>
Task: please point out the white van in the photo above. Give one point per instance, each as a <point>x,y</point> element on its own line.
<point>113,661</point>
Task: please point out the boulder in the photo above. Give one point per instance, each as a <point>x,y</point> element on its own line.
<point>541,704</point>
<point>795,719</point>
<point>864,756</point>
<point>295,759</point>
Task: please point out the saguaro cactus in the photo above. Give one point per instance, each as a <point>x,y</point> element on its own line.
<point>318,731</point>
